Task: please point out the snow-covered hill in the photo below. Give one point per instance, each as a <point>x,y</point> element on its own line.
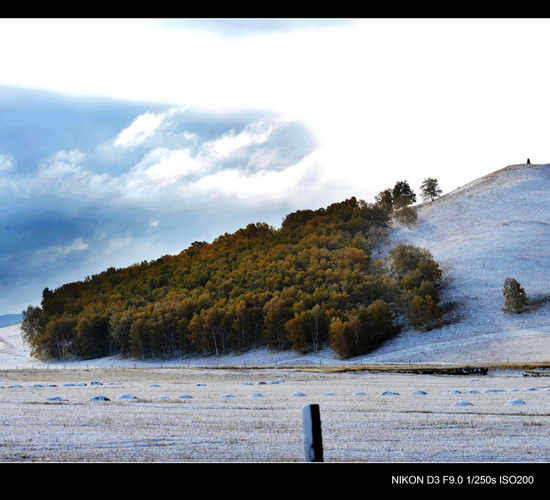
<point>10,319</point>
<point>495,227</point>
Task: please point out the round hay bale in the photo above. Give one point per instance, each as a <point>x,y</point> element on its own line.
<point>99,398</point>
<point>126,396</point>
<point>516,402</point>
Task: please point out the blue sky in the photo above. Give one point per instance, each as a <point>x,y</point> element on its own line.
<point>122,140</point>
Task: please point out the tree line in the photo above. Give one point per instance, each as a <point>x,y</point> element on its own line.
<point>319,280</point>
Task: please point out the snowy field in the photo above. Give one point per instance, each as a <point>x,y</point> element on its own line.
<point>111,410</point>
<point>248,408</point>
<point>254,415</point>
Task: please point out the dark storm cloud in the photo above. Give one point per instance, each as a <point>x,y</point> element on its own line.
<point>89,184</point>
<point>36,124</point>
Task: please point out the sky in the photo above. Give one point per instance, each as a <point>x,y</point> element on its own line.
<point>122,140</point>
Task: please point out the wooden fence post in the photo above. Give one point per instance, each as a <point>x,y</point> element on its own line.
<point>311,427</point>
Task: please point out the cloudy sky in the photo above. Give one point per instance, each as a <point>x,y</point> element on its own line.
<point>122,140</point>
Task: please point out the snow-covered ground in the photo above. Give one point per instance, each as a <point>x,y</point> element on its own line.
<point>255,415</point>
<point>16,354</point>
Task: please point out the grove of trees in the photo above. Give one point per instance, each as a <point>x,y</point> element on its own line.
<point>316,281</point>
<point>397,201</point>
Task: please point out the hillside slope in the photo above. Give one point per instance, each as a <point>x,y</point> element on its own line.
<point>495,227</point>
<point>10,319</point>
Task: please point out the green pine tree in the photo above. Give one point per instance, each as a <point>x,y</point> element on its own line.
<point>515,298</point>
<point>430,189</point>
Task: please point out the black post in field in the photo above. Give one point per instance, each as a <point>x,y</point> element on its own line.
<point>313,439</point>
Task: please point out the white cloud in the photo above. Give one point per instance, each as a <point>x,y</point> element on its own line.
<point>77,245</point>
<point>299,181</point>
<point>165,173</point>
<point>54,253</point>
<point>181,175</point>
<point>231,143</point>
<point>172,166</point>
<point>159,169</point>
<point>63,174</point>
<point>117,244</point>
<point>6,163</point>
<point>62,164</point>
<point>139,130</point>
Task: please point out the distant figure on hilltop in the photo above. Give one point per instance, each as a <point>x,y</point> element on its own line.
<point>528,161</point>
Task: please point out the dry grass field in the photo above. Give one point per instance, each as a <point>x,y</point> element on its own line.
<point>254,415</point>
